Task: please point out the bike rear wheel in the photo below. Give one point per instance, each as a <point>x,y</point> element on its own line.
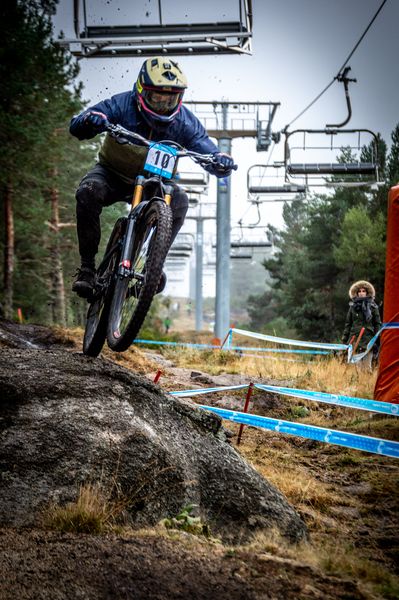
<point>98,312</point>
<point>133,295</point>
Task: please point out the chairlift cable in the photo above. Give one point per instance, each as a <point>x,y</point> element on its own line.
<point>340,70</point>
<point>252,225</point>
<point>239,222</point>
<point>308,106</point>
<point>361,38</point>
<point>267,164</point>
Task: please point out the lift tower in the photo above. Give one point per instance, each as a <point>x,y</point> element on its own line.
<point>224,121</point>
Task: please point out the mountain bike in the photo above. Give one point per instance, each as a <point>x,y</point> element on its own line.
<point>129,274</point>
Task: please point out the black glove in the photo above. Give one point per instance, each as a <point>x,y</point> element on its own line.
<point>97,121</point>
<point>223,163</point>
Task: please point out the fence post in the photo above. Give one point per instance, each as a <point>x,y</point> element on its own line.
<point>249,394</point>
<point>225,339</point>
<point>157,376</point>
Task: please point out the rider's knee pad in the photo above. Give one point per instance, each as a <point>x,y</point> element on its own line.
<point>90,195</point>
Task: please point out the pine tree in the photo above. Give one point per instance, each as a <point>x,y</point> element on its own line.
<point>393,159</point>
<point>36,102</point>
<point>328,241</point>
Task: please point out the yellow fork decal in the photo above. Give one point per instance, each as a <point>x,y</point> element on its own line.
<point>137,194</point>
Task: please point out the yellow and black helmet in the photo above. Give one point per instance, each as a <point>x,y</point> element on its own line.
<point>160,87</point>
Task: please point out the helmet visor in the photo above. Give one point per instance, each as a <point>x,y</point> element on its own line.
<point>162,102</point>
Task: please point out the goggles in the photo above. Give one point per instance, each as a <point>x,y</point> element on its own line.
<point>161,102</point>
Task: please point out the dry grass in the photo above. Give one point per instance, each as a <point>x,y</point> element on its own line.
<point>94,511</point>
<point>313,476</point>
<point>213,361</point>
<point>329,374</point>
<point>332,559</point>
<point>277,461</point>
<point>302,489</point>
<point>133,359</point>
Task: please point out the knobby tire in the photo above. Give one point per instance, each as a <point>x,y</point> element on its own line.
<point>132,297</point>
<point>98,312</point>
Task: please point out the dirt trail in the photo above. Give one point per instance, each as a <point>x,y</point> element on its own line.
<point>348,499</point>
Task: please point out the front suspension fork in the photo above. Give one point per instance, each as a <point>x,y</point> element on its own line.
<point>125,266</point>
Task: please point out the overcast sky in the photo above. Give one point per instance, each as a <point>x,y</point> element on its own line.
<point>298,46</point>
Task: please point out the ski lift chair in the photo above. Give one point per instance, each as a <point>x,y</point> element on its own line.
<point>330,157</point>
<point>182,247</point>
<point>179,254</point>
<point>266,183</point>
<point>193,182</point>
<point>129,34</point>
<point>251,244</point>
<point>240,256</point>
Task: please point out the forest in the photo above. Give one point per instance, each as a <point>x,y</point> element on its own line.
<point>328,241</point>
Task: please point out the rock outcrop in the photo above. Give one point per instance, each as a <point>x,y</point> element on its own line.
<point>66,419</point>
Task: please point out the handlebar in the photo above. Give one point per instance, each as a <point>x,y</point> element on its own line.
<point>125,136</point>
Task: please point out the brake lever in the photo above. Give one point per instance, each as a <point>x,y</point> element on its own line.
<point>115,132</point>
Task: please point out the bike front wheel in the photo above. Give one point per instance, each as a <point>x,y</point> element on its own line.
<point>98,312</point>
<point>133,294</point>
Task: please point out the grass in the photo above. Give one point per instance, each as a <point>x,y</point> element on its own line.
<point>332,559</point>
<point>133,358</point>
<point>328,374</point>
<point>317,479</point>
<point>320,374</point>
<point>94,511</point>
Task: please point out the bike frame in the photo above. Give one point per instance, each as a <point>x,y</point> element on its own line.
<point>152,194</point>
<point>139,208</point>
<point>138,205</point>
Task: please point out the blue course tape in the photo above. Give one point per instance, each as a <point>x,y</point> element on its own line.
<point>386,408</point>
<point>358,357</point>
<point>279,340</point>
<point>339,438</point>
<point>330,347</point>
<point>239,348</point>
<point>290,351</point>
<point>360,403</point>
<point>162,343</point>
<point>196,392</point>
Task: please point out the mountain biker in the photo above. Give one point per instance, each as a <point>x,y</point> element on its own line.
<point>154,110</point>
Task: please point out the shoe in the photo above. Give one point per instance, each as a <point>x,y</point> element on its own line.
<point>162,283</point>
<point>84,282</point>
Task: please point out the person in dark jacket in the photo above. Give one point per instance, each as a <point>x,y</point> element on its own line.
<point>363,312</point>
<point>154,110</point>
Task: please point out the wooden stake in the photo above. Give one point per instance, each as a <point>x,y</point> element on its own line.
<point>249,394</point>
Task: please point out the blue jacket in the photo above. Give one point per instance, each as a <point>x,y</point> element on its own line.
<point>122,109</point>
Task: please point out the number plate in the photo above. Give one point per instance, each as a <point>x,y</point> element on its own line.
<point>161,160</point>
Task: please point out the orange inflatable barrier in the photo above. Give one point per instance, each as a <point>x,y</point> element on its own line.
<point>387,384</point>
